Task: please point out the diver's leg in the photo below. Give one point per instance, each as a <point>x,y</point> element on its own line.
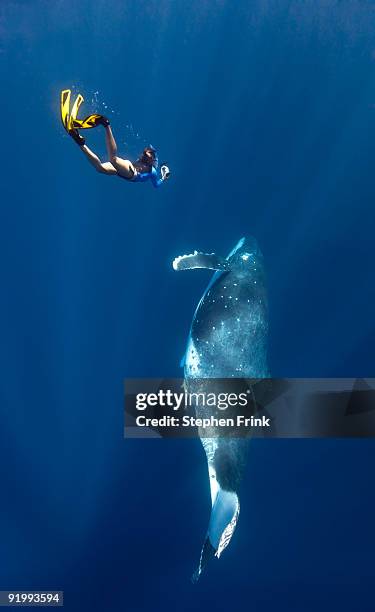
<point>106,168</point>
<point>124,167</point>
<point>110,143</point>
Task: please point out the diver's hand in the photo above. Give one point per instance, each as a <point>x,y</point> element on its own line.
<point>165,172</point>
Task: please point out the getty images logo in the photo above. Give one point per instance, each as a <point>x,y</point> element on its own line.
<point>175,401</point>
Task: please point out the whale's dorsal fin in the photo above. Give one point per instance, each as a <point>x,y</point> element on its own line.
<point>209,261</point>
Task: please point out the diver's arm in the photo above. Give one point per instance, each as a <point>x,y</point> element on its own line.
<point>103,167</point>
<point>156,180</point>
<point>165,174</point>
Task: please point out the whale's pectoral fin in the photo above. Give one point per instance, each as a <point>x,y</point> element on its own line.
<point>223,521</point>
<point>209,261</point>
<point>208,553</point>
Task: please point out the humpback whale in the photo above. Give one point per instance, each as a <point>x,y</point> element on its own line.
<point>227,339</point>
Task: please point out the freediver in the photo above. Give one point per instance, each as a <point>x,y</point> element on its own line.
<point>143,169</point>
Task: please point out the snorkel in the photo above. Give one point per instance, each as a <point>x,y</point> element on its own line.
<point>150,156</point>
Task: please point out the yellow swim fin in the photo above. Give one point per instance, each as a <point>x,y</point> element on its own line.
<point>73,115</point>
<point>65,108</point>
<point>91,121</point>
<point>69,118</point>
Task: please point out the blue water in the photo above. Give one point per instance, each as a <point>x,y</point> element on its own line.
<point>265,111</point>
